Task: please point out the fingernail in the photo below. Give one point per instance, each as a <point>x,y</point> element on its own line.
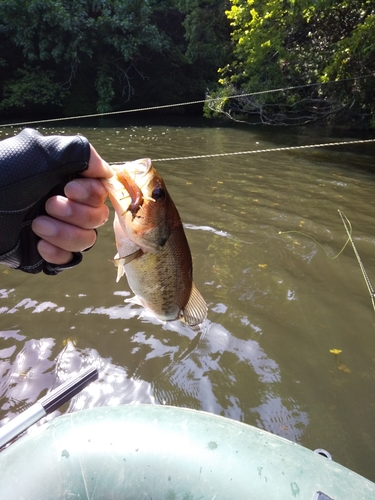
<point>44,227</point>
<point>78,189</point>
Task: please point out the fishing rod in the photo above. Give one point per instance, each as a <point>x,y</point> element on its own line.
<point>46,405</point>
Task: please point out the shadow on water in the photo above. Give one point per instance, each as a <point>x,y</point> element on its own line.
<point>277,304</point>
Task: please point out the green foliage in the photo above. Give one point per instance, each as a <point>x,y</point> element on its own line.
<point>87,56</point>
<point>290,43</point>
<point>64,30</point>
<point>30,89</point>
<point>61,35</point>
<point>354,54</point>
<point>148,52</point>
<point>206,31</point>
<point>258,33</point>
<point>104,88</point>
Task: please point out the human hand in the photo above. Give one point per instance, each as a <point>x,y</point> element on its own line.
<point>34,171</point>
<point>71,220</point>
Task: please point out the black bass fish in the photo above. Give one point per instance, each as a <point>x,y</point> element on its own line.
<point>152,247</point>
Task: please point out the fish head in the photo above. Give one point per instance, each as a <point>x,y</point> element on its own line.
<point>145,211</point>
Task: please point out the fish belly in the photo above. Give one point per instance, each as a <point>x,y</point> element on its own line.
<point>162,282</point>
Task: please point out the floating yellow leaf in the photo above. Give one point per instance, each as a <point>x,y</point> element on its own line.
<point>262,265</point>
<point>6,271</point>
<point>336,352</point>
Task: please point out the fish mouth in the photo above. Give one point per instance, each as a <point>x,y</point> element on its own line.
<point>133,178</point>
<point>138,168</point>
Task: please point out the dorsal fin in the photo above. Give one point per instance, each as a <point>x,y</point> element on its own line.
<point>195,311</point>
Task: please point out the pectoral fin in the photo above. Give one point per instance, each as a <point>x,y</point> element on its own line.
<point>120,262</point>
<point>195,311</point>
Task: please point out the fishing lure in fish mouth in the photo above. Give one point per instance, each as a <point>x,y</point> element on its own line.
<point>133,190</point>
<point>151,243</point>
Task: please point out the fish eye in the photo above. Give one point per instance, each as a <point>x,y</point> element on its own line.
<point>158,194</point>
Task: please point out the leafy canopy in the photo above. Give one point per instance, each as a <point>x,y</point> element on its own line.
<point>289,43</point>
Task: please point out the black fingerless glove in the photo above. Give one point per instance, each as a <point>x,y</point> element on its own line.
<point>34,167</point>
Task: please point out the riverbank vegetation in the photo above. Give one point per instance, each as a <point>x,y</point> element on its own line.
<point>300,46</point>
<point>73,57</point>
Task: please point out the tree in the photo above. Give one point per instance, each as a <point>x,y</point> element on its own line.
<point>298,47</point>
<point>98,55</point>
<point>67,37</point>
<point>206,31</point>
<point>32,87</point>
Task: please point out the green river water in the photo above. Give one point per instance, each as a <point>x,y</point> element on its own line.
<point>277,302</point>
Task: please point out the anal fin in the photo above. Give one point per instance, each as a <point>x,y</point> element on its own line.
<point>195,311</point>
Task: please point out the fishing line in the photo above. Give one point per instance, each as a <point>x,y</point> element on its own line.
<point>319,244</point>
<point>256,151</point>
<point>362,267</point>
<point>214,155</point>
<point>348,229</point>
<point>188,103</point>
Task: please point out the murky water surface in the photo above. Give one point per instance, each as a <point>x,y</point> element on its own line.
<point>278,303</point>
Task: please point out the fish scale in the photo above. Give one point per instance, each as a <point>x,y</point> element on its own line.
<point>160,278</point>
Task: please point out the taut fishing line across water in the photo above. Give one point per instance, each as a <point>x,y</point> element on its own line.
<point>257,151</point>
<point>345,220</point>
<point>202,101</point>
<point>348,229</point>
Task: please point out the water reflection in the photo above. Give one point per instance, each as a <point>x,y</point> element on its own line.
<point>188,371</point>
<point>25,370</point>
<point>29,372</point>
<point>177,366</point>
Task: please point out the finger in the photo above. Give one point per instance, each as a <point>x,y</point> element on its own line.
<point>98,167</point>
<point>52,254</point>
<point>88,191</point>
<point>77,214</point>
<point>63,235</point>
